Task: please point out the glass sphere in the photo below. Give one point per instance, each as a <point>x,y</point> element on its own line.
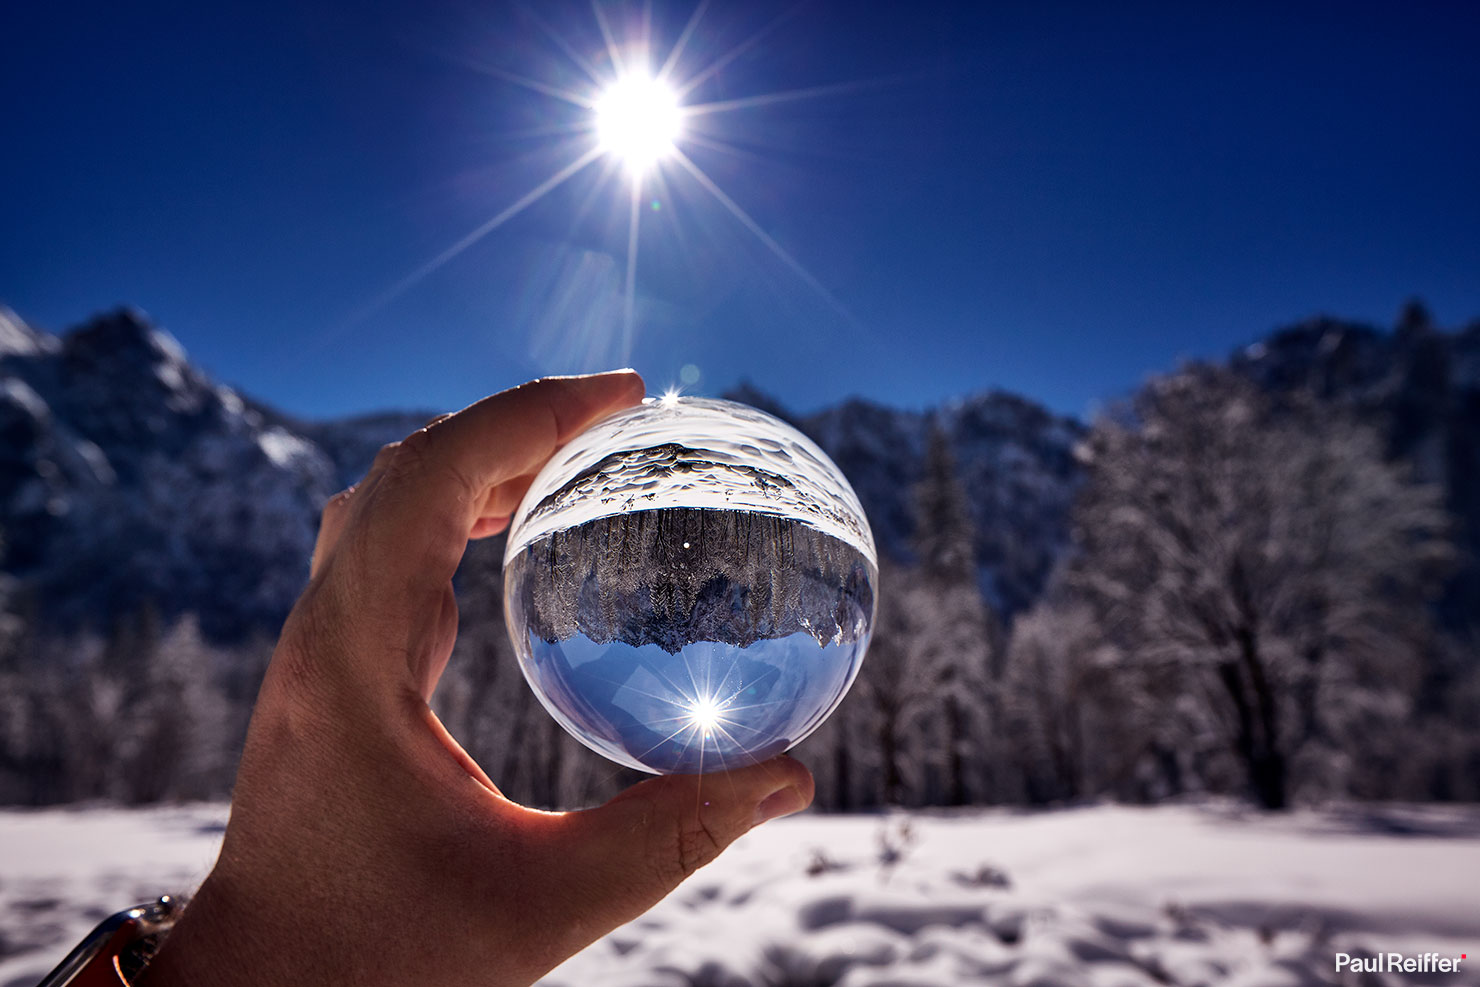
<point>689,585</point>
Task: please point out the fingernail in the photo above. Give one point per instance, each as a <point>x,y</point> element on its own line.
<point>780,803</point>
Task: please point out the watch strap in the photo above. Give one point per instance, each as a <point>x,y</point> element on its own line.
<point>102,970</point>
<point>115,952</point>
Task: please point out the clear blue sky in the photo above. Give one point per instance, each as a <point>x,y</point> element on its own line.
<point>1050,198</point>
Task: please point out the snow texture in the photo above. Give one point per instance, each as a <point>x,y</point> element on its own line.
<point>1103,896</point>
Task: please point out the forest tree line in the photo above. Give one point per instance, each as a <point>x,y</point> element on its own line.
<point>1246,606</point>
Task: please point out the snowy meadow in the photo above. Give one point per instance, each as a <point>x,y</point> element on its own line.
<point>1193,894</point>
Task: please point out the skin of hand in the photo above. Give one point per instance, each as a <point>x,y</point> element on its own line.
<point>364,845</point>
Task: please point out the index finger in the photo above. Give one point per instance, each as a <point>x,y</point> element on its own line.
<point>415,525</point>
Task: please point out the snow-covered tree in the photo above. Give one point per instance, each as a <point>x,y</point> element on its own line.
<point>137,717</point>
<point>1267,564</point>
<point>843,755</point>
<point>951,639</point>
<point>874,752</point>
<point>1050,691</point>
<point>1081,726</point>
<point>171,738</point>
<point>16,705</point>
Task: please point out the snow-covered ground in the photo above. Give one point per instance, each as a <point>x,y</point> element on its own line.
<point>63,870</point>
<point>1098,896</point>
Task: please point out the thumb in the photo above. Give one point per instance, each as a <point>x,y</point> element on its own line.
<point>620,859</point>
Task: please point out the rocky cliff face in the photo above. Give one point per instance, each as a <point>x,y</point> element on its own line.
<point>129,478</point>
<point>1014,457</point>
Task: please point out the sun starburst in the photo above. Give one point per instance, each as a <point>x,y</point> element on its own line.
<point>705,713</point>
<point>640,120</point>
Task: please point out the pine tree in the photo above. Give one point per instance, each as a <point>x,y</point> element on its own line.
<point>951,641</point>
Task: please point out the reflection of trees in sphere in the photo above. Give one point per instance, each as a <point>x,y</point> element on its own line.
<point>690,586</point>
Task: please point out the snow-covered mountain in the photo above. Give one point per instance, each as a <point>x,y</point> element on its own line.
<point>129,478</point>
<point>1014,457</point>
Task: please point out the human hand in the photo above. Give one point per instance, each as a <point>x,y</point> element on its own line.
<point>365,846</point>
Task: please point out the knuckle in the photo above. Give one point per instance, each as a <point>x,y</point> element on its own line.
<point>408,455</point>
<point>383,457</point>
<point>414,457</point>
<point>691,846</point>
<point>337,503</point>
<point>385,452</point>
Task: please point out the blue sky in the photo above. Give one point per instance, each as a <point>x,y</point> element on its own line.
<point>1054,199</point>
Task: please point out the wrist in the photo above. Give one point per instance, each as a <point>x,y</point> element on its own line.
<point>209,945</point>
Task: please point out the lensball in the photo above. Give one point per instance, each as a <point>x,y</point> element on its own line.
<point>689,585</point>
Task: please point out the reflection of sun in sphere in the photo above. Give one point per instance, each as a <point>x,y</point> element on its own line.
<point>689,586</point>
<point>638,121</point>
<point>705,713</point>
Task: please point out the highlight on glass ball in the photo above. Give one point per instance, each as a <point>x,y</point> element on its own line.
<point>689,585</point>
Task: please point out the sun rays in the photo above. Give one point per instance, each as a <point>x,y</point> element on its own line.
<point>632,111</point>
<point>705,713</point>
<point>705,716</point>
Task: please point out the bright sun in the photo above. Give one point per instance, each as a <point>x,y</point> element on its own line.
<point>641,120</point>
<point>704,713</point>
<point>638,121</point>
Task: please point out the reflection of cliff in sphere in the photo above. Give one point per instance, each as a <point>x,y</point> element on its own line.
<point>683,640</point>
<point>689,586</point>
